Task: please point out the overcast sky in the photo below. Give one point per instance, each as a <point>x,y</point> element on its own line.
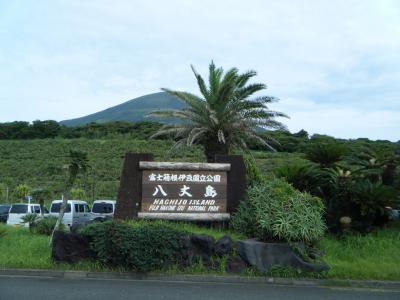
<point>334,65</point>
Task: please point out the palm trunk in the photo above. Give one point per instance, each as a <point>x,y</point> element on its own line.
<point>213,148</point>
<point>68,187</point>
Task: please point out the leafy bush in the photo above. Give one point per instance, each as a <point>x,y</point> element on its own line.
<point>145,248</point>
<point>253,173</point>
<point>276,210</point>
<point>45,225</point>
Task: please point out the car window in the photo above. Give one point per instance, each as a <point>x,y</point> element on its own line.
<point>4,209</point>
<point>36,209</point>
<point>102,208</point>
<point>55,208</point>
<point>87,208</point>
<point>19,209</point>
<point>79,208</point>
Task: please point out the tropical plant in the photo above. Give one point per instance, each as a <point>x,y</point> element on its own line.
<point>22,191</point>
<point>223,116</point>
<point>305,177</point>
<point>275,210</point>
<point>40,195</point>
<point>31,219</point>
<point>326,154</point>
<point>77,162</point>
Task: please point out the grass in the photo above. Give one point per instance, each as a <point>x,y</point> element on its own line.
<point>372,256</point>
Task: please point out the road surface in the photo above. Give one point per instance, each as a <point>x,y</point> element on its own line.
<point>39,288</point>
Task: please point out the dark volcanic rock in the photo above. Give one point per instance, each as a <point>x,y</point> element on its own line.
<point>266,255</point>
<point>196,247</point>
<point>223,246</point>
<point>70,247</point>
<point>235,264</point>
<point>202,245</point>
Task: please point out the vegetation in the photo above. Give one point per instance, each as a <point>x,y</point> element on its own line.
<point>354,256</point>
<point>39,163</point>
<point>77,163</point>
<point>359,186</point>
<point>223,117</point>
<point>274,210</point>
<point>51,129</point>
<point>30,219</point>
<point>46,225</point>
<point>143,249</point>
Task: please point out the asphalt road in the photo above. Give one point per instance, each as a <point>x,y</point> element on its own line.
<point>32,288</point>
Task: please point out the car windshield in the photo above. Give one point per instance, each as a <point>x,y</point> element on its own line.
<point>19,209</point>
<point>55,208</point>
<point>4,209</point>
<point>102,208</point>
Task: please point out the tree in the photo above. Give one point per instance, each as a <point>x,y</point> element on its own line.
<point>22,190</point>
<point>224,116</point>
<point>40,195</point>
<point>77,162</point>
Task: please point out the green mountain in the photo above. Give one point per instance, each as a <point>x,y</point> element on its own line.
<point>134,110</point>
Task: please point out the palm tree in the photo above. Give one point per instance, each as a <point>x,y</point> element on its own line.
<point>224,116</point>
<point>77,163</point>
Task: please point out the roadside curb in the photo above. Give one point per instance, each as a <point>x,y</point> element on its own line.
<point>66,274</point>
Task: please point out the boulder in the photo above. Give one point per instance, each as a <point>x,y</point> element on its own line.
<point>202,245</point>
<point>70,247</point>
<point>235,264</point>
<point>196,247</point>
<point>223,246</point>
<point>263,256</point>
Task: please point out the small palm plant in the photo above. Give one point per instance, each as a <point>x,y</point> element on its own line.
<point>77,163</point>
<point>224,116</point>
<point>31,219</point>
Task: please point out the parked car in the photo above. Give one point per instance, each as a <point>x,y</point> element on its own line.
<point>103,210</point>
<point>19,210</point>
<point>77,212</point>
<point>4,209</point>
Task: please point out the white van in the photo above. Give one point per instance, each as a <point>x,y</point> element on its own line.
<point>19,210</point>
<point>77,212</point>
<point>103,209</point>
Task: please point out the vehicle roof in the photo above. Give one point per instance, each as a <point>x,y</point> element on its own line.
<point>25,204</point>
<point>104,201</point>
<point>70,201</point>
<point>5,204</point>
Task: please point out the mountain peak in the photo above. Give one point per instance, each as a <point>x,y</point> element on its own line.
<point>134,110</point>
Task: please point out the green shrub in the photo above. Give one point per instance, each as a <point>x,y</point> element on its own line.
<point>146,248</point>
<point>45,225</point>
<point>253,173</point>
<point>276,210</point>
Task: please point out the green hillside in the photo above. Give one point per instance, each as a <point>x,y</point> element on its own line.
<point>133,110</point>
<point>39,163</point>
